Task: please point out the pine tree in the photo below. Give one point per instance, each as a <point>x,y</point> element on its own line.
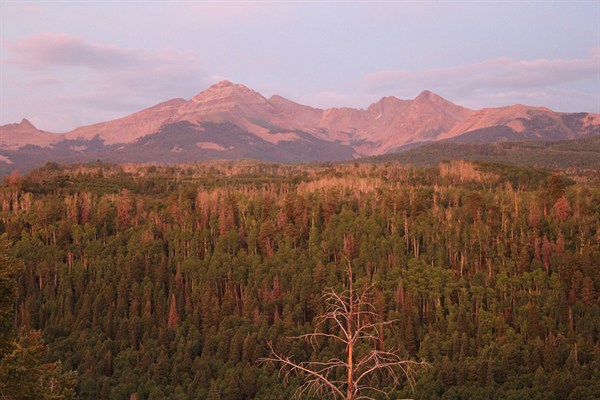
<point>8,271</point>
<point>357,331</point>
<point>214,393</point>
<point>173,315</point>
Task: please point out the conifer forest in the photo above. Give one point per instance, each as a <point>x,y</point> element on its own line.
<point>147,282</point>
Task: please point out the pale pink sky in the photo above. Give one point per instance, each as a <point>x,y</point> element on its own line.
<point>65,64</point>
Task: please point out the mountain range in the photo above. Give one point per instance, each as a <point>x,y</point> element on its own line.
<point>232,121</point>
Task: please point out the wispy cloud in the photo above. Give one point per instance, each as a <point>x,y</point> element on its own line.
<point>498,78</point>
<point>496,73</point>
<point>48,50</point>
<point>489,83</point>
<point>105,80</point>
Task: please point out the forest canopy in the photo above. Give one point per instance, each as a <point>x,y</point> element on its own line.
<point>168,282</point>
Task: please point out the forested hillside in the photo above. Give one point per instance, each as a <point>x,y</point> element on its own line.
<point>579,154</point>
<point>160,282</point>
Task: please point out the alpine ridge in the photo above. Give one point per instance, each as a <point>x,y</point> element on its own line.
<point>231,121</point>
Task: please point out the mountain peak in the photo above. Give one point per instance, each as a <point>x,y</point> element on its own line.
<point>226,89</point>
<point>223,84</point>
<point>427,95</point>
<point>26,124</point>
<point>22,126</point>
<point>16,135</point>
<point>435,103</point>
<point>384,126</point>
<point>389,100</point>
<point>388,104</point>
<point>228,85</point>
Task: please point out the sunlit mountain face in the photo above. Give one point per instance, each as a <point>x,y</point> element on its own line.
<point>232,121</point>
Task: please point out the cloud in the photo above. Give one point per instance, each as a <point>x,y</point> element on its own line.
<point>164,71</point>
<point>559,99</point>
<point>48,50</point>
<point>106,66</point>
<point>494,76</point>
<point>94,82</point>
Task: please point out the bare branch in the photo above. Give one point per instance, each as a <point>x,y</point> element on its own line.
<point>286,361</point>
<point>354,319</point>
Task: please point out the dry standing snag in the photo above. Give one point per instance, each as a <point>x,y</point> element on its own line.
<point>356,326</point>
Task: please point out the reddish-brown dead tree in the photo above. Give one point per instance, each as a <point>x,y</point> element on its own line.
<point>358,327</point>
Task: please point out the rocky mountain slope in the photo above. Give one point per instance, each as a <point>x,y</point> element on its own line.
<point>17,135</point>
<point>231,121</point>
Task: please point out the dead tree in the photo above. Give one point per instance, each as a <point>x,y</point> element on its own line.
<point>356,325</point>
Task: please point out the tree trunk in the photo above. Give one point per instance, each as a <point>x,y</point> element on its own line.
<point>350,347</point>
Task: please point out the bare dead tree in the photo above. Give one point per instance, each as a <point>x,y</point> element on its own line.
<point>356,325</point>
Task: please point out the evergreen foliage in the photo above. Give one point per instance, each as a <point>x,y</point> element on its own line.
<point>157,282</point>
<point>25,373</point>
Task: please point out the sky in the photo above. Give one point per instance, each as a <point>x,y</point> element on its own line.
<point>66,64</point>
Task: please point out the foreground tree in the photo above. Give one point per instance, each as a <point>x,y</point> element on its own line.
<point>8,273</point>
<point>24,372</point>
<point>356,326</point>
